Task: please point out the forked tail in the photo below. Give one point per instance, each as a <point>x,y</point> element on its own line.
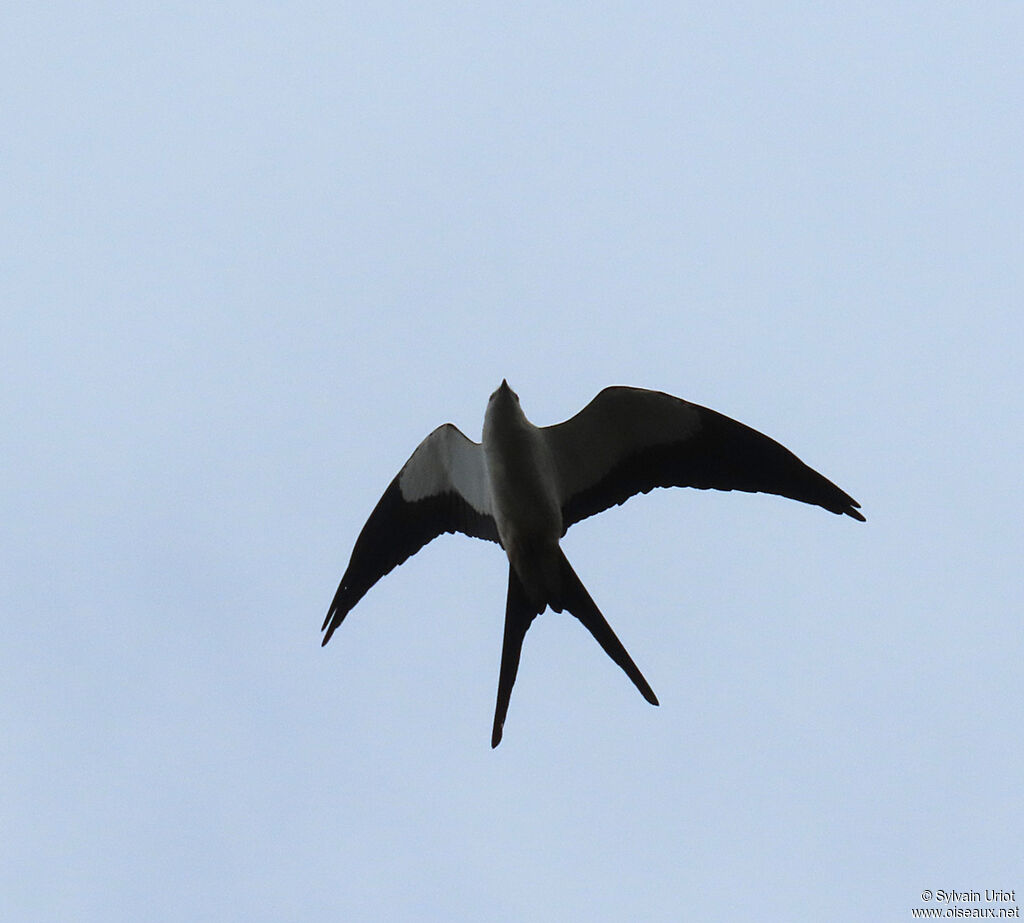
<point>520,613</point>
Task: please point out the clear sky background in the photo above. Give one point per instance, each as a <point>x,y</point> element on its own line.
<point>253,253</point>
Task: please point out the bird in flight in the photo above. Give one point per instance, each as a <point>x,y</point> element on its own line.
<point>525,485</point>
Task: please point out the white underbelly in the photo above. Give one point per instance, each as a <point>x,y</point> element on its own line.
<point>524,492</point>
<point>525,502</point>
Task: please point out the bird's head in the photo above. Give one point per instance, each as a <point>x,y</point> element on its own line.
<point>503,410</point>
<point>504,393</point>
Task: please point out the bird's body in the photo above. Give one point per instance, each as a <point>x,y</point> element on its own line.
<point>525,502</point>
<point>524,486</point>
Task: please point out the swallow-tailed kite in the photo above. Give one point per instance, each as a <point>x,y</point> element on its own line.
<point>525,485</point>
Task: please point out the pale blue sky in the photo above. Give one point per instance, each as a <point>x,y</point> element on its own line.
<point>252,254</point>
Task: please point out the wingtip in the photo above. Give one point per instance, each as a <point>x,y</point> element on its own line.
<point>335,616</point>
<point>645,689</point>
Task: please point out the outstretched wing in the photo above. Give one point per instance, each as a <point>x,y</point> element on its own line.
<point>441,488</point>
<point>628,441</point>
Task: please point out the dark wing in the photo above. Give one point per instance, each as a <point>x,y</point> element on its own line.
<point>441,488</point>
<point>628,441</point>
